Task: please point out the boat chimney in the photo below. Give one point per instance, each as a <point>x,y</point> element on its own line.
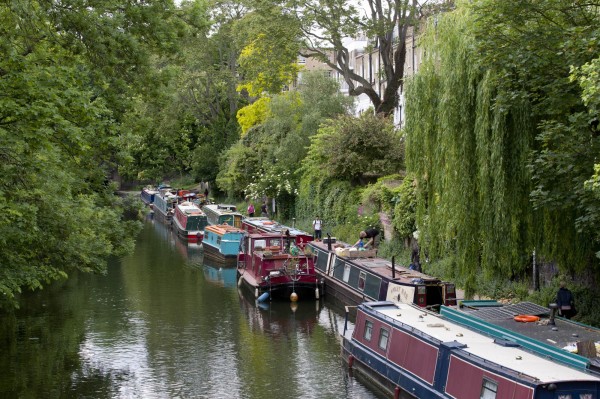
<point>329,242</point>
<point>393,267</point>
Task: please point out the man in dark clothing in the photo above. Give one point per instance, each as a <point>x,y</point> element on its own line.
<point>264,210</point>
<point>565,302</point>
<point>370,234</point>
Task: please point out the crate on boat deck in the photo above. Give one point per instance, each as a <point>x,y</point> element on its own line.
<point>355,253</point>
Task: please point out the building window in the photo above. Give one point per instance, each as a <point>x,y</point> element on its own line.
<point>368,330</point>
<point>384,336</point>
<point>301,60</point>
<point>489,389</point>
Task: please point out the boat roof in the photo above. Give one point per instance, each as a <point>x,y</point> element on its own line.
<point>261,235</point>
<point>189,208</point>
<point>383,267</point>
<point>273,226</point>
<point>222,208</point>
<point>563,334</point>
<point>486,347</point>
<point>223,229</point>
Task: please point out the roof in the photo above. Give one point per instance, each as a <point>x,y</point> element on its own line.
<point>481,345</point>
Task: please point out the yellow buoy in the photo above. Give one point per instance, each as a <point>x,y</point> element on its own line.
<point>294,297</point>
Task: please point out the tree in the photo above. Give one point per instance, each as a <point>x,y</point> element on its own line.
<point>266,159</point>
<point>498,141</point>
<point>326,26</point>
<point>357,150</point>
<point>66,75</point>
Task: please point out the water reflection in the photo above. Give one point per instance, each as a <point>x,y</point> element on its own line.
<point>224,276</point>
<point>161,324</point>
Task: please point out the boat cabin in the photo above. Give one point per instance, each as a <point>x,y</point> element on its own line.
<point>223,214</point>
<point>265,225</point>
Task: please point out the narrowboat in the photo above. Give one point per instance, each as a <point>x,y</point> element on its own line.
<point>415,353</point>
<point>353,276</point>
<point>190,221</point>
<point>147,195</point>
<point>222,243</point>
<point>223,214</point>
<point>272,266</point>
<point>265,225</point>
<point>164,205</point>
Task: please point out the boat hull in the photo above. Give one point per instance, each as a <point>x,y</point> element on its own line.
<point>189,221</point>
<point>307,289</point>
<point>354,278</point>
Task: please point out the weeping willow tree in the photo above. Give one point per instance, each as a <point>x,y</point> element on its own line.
<point>468,144</point>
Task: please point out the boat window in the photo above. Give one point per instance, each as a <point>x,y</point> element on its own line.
<point>368,330</point>
<point>346,273</point>
<point>260,244</point>
<point>489,389</point>
<point>567,396</point>
<point>361,281</point>
<point>585,396</point>
<point>275,242</point>
<point>384,336</point>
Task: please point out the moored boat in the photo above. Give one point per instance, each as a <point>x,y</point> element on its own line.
<point>190,221</point>
<point>222,243</point>
<point>272,266</point>
<point>354,276</point>
<point>164,205</point>
<point>415,353</point>
<point>223,214</point>
<point>147,195</point>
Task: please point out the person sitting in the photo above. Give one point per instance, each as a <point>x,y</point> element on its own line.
<point>370,234</point>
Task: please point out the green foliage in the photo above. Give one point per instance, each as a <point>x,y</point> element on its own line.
<point>472,187</point>
<point>546,53</point>
<point>355,149</point>
<point>68,77</point>
<point>268,60</point>
<point>405,208</point>
<point>264,161</point>
<point>253,114</point>
<point>499,141</point>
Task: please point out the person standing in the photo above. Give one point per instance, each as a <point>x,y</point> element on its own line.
<point>317,224</point>
<point>565,301</point>
<point>264,210</point>
<point>251,210</point>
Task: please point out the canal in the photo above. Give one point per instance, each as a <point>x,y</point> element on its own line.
<point>162,323</point>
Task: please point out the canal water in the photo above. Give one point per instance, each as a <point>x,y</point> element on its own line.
<point>163,323</point>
